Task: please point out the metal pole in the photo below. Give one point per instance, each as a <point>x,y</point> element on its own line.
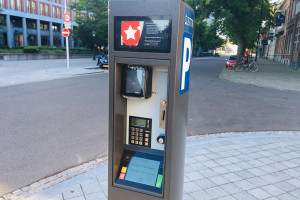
<point>262,6</point>
<point>67,42</point>
<point>94,56</point>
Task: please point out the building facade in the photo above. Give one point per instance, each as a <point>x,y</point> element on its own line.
<point>34,23</point>
<point>293,31</point>
<point>287,36</point>
<point>282,48</point>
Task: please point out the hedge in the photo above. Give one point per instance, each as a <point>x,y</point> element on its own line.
<point>60,50</point>
<point>31,49</point>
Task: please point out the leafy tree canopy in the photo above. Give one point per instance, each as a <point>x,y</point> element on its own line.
<point>205,36</point>
<point>98,22</point>
<point>239,20</point>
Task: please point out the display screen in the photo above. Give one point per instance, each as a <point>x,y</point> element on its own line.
<point>143,171</point>
<point>138,122</point>
<point>144,34</point>
<point>135,80</point>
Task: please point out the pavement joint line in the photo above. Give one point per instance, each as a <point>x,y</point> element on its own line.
<point>74,171</point>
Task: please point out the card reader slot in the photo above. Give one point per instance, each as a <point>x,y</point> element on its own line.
<point>162,117</point>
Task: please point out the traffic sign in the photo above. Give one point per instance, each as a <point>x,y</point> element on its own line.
<point>67,17</point>
<point>68,25</point>
<point>65,32</point>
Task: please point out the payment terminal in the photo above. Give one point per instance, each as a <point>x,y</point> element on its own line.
<point>150,54</point>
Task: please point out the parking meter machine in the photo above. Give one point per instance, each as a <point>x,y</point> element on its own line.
<point>150,48</point>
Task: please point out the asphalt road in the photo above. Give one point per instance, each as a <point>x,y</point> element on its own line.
<point>218,106</point>
<point>50,126</point>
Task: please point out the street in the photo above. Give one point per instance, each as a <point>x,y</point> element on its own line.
<point>47,127</point>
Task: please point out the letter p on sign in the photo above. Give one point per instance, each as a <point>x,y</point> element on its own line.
<point>186,62</point>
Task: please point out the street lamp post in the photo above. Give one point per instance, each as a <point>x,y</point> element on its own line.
<point>94,53</point>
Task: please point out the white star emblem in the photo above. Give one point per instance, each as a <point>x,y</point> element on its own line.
<point>130,33</point>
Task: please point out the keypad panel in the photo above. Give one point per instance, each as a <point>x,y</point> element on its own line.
<point>140,134</point>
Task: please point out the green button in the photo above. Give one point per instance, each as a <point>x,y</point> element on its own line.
<point>159,180</point>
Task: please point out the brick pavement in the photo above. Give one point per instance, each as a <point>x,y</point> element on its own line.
<point>270,74</point>
<point>248,166</point>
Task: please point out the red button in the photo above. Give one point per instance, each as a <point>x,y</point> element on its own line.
<point>122,176</point>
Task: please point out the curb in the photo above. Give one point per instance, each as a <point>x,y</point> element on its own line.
<point>74,171</point>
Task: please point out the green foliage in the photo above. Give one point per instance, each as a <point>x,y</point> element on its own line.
<point>99,23</point>
<point>239,20</point>
<point>31,49</point>
<point>11,50</point>
<point>204,36</point>
<point>211,40</point>
<point>50,50</point>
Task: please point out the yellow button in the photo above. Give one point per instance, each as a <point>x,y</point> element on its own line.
<point>124,169</point>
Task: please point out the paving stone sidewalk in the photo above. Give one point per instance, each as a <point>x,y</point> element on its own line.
<point>270,74</point>
<point>237,167</point>
<point>20,72</point>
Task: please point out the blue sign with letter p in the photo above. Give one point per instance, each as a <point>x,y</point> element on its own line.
<point>186,62</point>
<point>186,51</point>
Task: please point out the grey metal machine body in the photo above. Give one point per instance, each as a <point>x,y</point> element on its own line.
<point>151,40</point>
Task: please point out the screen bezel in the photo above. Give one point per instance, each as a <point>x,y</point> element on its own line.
<point>117,31</point>
<point>142,153</point>
<point>146,81</point>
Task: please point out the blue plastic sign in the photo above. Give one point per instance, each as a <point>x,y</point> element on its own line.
<point>186,51</point>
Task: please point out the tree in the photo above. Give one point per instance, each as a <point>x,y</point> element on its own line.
<point>204,36</point>
<point>211,40</point>
<point>239,20</point>
<point>98,22</point>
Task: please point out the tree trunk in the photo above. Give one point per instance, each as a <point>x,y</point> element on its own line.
<point>241,49</point>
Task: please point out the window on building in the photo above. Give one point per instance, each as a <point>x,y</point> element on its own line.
<point>31,24</point>
<point>32,40</point>
<point>289,43</point>
<point>4,21</point>
<point>19,5</point>
<point>56,41</point>
<point>1,3</point>
<point>16,21</point>
<point>3,41</point>
<point>42,11</point>
<point>45,40</point>
<point>56,27</point>
<point>58,13</point>
<point>28,6</point>
<point>12,4</point>
<point>47,10</point>
<point>33,7</point>
<point>44,26</point>
<point>54,11</point>
<point>297,39</point>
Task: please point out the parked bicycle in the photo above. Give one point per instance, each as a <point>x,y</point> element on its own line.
<point>250,66</point>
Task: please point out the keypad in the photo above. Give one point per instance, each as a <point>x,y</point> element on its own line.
<point>140,136</point>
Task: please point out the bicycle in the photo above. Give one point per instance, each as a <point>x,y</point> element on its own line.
<point>252,66</point>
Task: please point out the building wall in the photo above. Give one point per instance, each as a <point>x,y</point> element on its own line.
<point>288,45</point>
<point>34,23</point>
<point>293,29</point>
<point>282,52</point>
